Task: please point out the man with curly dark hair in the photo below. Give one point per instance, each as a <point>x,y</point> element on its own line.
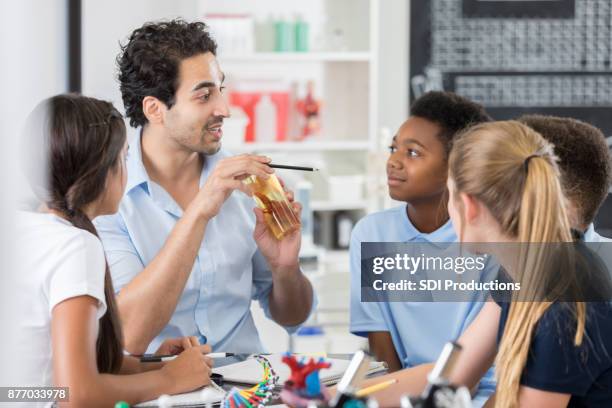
<point>584,161</point>
<point>187,253</point>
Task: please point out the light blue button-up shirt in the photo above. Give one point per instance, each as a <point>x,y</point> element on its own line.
<point>228,272</point>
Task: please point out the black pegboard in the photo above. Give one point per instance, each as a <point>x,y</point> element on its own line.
<point>516,57</point>
<point>519,8</point>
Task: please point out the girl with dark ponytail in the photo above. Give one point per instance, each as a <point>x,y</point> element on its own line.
<point>79,167</point>
<point>76,148</point>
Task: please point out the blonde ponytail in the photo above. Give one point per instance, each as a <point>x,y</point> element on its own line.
<point>512,170</point>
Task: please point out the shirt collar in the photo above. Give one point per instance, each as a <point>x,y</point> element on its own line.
<point>589,234</point>
<point>443,235</point>
<point>137,174</point>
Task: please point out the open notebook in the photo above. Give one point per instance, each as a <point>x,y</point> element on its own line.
<point>251,372</point>
<point>207,396</point>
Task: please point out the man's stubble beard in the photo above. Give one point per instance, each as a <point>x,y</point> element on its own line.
<point>201,147</point>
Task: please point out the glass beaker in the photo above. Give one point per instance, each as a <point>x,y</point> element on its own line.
<point>270,197</point>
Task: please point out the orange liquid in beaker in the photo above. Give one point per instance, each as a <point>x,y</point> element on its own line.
<point>270,197</point>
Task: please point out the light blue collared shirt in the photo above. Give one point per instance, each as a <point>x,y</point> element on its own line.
<point>419,330</point>
<point>591,236</point>
<point>228,272</point>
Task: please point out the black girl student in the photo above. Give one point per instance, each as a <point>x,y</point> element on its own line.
<point>70,335</point>
<point>505,188</point>
<point>407,334</point>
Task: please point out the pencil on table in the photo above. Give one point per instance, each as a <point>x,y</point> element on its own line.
<point>373,388</point>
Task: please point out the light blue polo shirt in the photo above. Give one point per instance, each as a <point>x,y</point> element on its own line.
<point>419,329</point>
<point>592,236</point>
<point>228,272</point>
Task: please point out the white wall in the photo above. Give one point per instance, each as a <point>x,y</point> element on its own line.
<point>34,65</point>
<point>393,65</point>
<point>105,25</point>
<point>34,56</point>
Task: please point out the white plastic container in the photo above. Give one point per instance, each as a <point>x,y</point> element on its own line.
<point>265,120</point>
<point>234,128</point>
<point>346,189</point>
<point>310,344</point>
<point>234,33</point>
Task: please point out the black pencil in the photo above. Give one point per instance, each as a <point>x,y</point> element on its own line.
<point>284,166</point>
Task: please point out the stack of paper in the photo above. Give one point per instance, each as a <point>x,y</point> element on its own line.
<point>207,396</point>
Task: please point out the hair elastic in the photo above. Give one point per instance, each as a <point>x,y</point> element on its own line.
<point>528,158</point>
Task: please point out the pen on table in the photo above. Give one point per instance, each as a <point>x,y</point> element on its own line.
<point>160,358</point>
<point>287,167</point>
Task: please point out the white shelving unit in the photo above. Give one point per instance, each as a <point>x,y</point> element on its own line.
<point>347,83</point>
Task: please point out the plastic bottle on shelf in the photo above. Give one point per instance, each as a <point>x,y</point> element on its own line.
<point>301,34</point>
<point>284,35</point>
<point>337,40</point>
<point>265,120</point>
<point>264,35</point>
<point>303,193</point>
<point>293,117</point>
<point>318,28</point>
<point>343,225</point>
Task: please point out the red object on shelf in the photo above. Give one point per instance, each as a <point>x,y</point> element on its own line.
<point>247,99</point>
<point>310,109</point>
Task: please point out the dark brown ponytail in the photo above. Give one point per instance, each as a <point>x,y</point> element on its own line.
<point>109,348</point>
<point>82,141</point>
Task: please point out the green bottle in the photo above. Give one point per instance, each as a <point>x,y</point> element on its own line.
<point>301,35</point>
<point>284,36</point>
